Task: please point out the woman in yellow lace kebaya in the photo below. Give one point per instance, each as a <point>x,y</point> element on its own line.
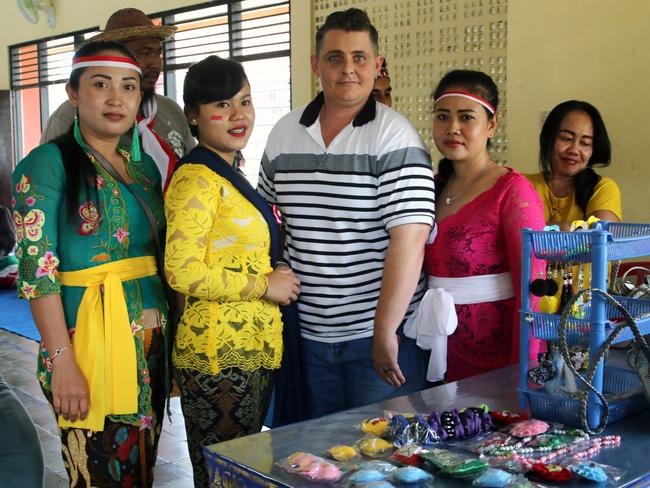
<point>222,244</point>
<point>87,264</point>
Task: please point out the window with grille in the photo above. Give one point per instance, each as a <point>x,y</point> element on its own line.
<point>39,71</point>
<point>253,32</point>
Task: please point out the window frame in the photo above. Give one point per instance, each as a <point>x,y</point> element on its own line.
<point>165,16</point>
<point>235,9</point>
<point>16,88</point>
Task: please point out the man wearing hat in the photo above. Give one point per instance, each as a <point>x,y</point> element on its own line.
<point>162,124</point>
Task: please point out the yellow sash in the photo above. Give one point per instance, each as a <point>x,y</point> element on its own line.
<point>103,341</point>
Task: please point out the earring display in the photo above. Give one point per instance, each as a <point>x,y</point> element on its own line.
<point>579,308</point>
<point>551,285</point>
<point>543,287</point>
<point>590,324</point>
<point>539,287</point>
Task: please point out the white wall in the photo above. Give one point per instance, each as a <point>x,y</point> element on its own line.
<point>593,50</point>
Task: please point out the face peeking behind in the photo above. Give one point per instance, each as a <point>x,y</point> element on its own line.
<point>382,91</point>
<point>148,52</point>
<point>226,125</point>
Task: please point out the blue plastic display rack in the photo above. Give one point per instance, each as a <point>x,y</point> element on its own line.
<point>546,326</point>
<point>621,387</point>
<point>623,241</point>
<point>608,241</point>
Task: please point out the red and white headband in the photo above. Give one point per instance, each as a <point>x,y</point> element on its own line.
<point>107,61</point>
<point>469,96</point>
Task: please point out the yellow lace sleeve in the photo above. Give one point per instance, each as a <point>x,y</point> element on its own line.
<point>192,203</point>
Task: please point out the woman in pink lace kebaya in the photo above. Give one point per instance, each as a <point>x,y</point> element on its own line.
<point>480,209</point>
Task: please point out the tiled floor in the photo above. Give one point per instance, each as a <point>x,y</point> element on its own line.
<point>17,366</point>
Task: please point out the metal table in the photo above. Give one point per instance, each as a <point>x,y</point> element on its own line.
<point>248,461</point>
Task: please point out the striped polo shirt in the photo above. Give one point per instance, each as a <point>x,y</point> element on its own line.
<point>338,203</point>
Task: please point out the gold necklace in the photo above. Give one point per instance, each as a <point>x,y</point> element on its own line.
<point>556,193</point>
<point>449,199</point>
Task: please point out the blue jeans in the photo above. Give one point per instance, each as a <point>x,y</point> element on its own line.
<point>341,376</point>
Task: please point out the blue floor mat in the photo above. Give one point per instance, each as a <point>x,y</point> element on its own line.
<point>15,315</point>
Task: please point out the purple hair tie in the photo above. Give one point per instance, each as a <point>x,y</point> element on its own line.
<point>486,421</point>
<point>451,424</point>
<point>471,422</point>
<point>436,425</point>
<point>459,431</point>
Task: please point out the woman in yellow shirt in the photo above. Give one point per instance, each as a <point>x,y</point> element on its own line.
<point>222,244</point>
<point>574,140</point>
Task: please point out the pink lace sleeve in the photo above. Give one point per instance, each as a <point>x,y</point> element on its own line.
<point>521,208</point>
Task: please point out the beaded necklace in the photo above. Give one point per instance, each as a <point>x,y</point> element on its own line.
<point>578,451</point>
<point>523,447</point>
<point>605,441</point>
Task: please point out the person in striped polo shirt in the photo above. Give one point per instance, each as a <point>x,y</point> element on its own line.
<point>354,184</point>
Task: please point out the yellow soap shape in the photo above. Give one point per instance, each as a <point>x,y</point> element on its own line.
<point>376,426</point>
<point>374,446</point>
<point>342,453</point>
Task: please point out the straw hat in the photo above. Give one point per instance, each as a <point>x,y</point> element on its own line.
<point>129,24</point>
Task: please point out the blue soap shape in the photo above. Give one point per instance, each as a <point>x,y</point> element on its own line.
<point>367,476</point>
<point>493,478</point>
<point>590,472</point>
<point>410,474</point>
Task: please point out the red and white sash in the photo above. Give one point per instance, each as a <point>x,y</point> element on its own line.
<point>154,145</point>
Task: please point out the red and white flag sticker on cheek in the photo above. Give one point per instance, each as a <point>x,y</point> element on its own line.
<point>216,118</point>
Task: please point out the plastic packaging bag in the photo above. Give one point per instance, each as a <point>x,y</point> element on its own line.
<point>602,474</point>
<point>409,454</point>
<point>311,467</point>
<point>494,478</point>
<point>371,474</point>
<point>374,446</point>
<point>411,475</point>
<point>375,426</point>
<point>343,453</point>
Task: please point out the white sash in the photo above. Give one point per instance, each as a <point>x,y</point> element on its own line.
<point>435,318</point>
